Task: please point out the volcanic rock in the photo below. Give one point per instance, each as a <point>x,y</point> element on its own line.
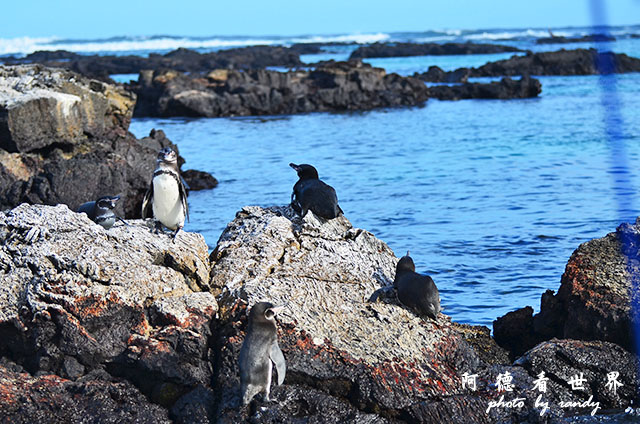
<point>184,60</point>
<point>593,38</point>
<point>563,62</point>
<point>76,298</point>
<point>64,139</point>
<point>507,88</point>
<point>427,49</point>
<point>337,86</point>
<point>53,399</point>
<point>594,301</point>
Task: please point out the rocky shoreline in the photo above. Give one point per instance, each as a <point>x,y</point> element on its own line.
<point>158,326</point>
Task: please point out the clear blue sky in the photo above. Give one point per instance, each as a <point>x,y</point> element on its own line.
<point>96,19</point>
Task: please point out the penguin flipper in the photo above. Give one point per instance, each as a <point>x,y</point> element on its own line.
<point>183,197</point>
<point>278,359</point>
<point>146,202</point>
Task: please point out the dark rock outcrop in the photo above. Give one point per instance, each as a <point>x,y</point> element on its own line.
<point>593,38</point>
<point>53,399</point>
<point>562,62</point>
<point>77,298</point>
<point>594,299</point>
<point>64,139</point>
<point>183,60</point>
<point>198,180</point>
<point>427,49</point>
<point>507,88</point>
<point>340,86</point>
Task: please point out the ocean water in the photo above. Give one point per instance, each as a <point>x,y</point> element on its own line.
<point>490,196</point>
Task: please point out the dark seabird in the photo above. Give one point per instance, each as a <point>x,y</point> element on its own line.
<point>416,291</point>
<point>309,193</point>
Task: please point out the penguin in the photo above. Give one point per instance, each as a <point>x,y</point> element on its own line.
<point>101,211</point>
<point>418,292</point>
<point>166,197</point>
<point>259,349</point>
<point>310,193</point>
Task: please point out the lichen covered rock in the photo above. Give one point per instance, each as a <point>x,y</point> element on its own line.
<point>75,297</point>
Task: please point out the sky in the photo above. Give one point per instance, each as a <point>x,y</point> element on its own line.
<point>92,19</point>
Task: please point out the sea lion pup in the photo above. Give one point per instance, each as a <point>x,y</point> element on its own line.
<point>166,197</point>
<point>310,193</point>
<point>259,349</point>
<point>418,292</point>
<point>101,211</point>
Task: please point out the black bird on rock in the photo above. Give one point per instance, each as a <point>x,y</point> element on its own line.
<point>101,211</point>
<point>311,194</point>
<point>416,291</point>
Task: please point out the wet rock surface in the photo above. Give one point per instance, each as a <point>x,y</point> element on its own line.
<point>183,60</point>
<point>506,88</point>
<point>427,49</point>
<point>64,139</point>
<point>338,86</point>
<point>76,298</point>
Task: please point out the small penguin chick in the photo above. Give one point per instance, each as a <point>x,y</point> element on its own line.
<point>312,194</point>
<point>166,198</point>
<point>418,292</point>
<point>259,350</point>
<point>101,211</point>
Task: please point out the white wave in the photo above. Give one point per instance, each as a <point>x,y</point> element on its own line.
<point>22,44</point>
<point>507,35</point>
<point>157,44</point>
<point>350,38</point>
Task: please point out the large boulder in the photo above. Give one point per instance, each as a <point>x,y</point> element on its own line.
<point>597,289</point>
<point>64,139</point>
<point>41,107</point>
<point>333,86</point>
<point>75,298</point>
<point>371,357</point>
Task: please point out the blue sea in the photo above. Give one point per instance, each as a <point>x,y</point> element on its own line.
<point>490,196</point>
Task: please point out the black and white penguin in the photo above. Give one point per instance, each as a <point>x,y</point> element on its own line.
<point>166,198</point>
<point>101,211</point>
<point>259,350</point>
<point>310,193</point>
<point>418,292</point>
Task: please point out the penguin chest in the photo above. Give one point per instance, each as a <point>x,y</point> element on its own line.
<point>167,205</point>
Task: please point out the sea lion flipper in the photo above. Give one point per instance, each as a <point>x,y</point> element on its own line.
<point>278,359</point>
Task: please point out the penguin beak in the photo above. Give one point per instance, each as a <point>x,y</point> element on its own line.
<point>407,253</point>
<point>294,166</point>
<point>114,200</point>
